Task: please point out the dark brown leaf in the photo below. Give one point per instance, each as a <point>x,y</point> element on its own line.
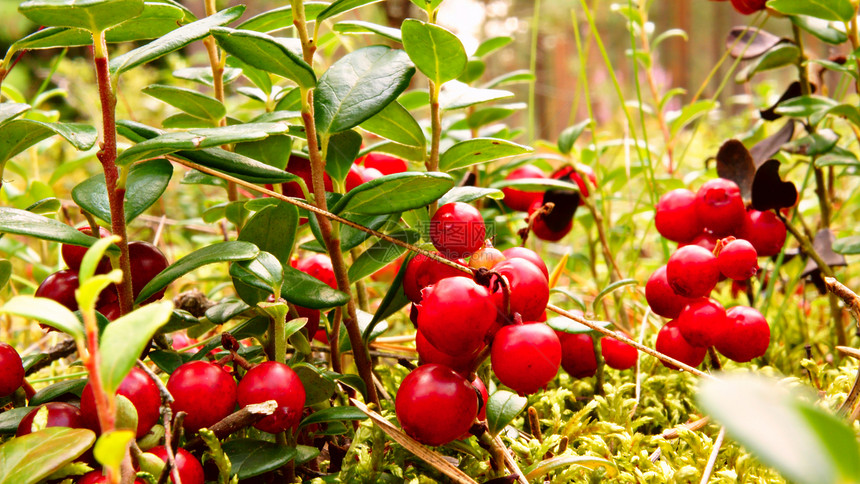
<point>766,148</point>
<point>565,202</point>
<point>735,163</point>
<point>763,42</point>
<point>794,90</point>
<point>823,244</point>
<point>768,189</point>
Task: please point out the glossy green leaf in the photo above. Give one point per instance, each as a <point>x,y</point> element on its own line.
<point>5,272</point>
<point>251,457</point>
<point>333,414</point>
<point>815,108</point>
<point>57,390</point>
<point>318,386</point>
<point>33,457</point>
<point>111,446</point>
<point>267,53</point>
<point>45,311</point>
<point>427,4</point>
<point>436,51</point>
<point>569,135</point>
<point>188,100</point>
<point>457,95</point>
<point>470,194</point>
<point>259,230</point>
<point>395,193</point>
<point>381,254</point>
<point>230,251</point>
<point>847,245</point>
<point>475,68</point>
<point>359,85</point>
<point>264,273</point>
<point>124,340</point>
<point>836,10</point>
<point>491,45</point>
<point>10,419</point>
<point>92,15</point>
<point>260,78</point>
<point>10,111</point>
<point>19,134</point>
<point>396,124</point>
<point>535,184</point>
<point>145,184</point>
<point>820,28</point>
<point>308,291</point>
<point>45,206</point>
<point>174,41</point>
<point>364,325</point>
<point>502,407</point>
<point>341,6</point>
<point>342,151</point>
<point>804,443</point>
<point>487,115</point>
<point>514,77</point>
<point>351,238</point>
<point>690,113</point>
<point>362,27</point>
<point>479,150</point>
<point>22,222</point>
<point>782,55</point>
<point>273,151</point>
<point>281,18</point>
<point>186,121</point>
<point>393,301</point>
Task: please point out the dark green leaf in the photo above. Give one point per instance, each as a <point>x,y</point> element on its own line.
<point>479,150</point>
<point>260,78</point>
<point>492,44</point>
<point>342,151</point>
<point>52,392</point>
<point>308,291</point>
<point>474,70</point>
<point>265,269</point>
<point>260,230</point>
<point>396,124</point>
<point>32,458</point>
<point>226,310</point>
<point>373,331</point>
<point>168,361</point>
<point>174,41</point>
<point>267,53</point>
<point>362,27</point>
<point>45,206</point>
<point>22,222</point>
<point>10,419</point>
<point>835,10</point>
<point>92,15</point>
<point>188,100</point>
<point>144,186</point>
<point>230,251</point>
<point>351,238</point>
<point>456,95</point>
<point>124,340</point>
<point>19,134</point>
<point>502,407</point>
<point>381,254</point>
<point>782,55</point>
<point>273,151</point>
<point>393,300</point>
<point>359,85</point>
<point>186,121</point>
<point>255,457</point>
<point>436,51</point>
<point>281,18</point>
<point>340,6</point>
<point>395,193</point>
<point>318,388</point>
<point>333,414</point>
<point>812,107</point>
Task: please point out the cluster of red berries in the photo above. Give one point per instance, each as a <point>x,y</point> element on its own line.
<point>146,262</point>
<point>705,224</point>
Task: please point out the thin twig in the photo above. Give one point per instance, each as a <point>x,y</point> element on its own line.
<point>238,420</point>
<point>709,469</point>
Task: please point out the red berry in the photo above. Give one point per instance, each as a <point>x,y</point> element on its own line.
<point>747,335</point>
<point>486,258</point>
<point>692,271</point>
<point>569,173</point>
<point>313,324</point>
<point>675,215</point>
<point>96,477</point>
<point>738,260</point>
<point>354,177</point>
<point>387,165</point>
<point>720,207</point>
<point>204,391</point>
<point>671,343</point>
<point>435,405</point>
<point>748,7</point>
<point>147,261</point>
<point>528,286</point>
<point>526,357</point>
<point>618,355</point>
<point>702,322</point>
<point>11,370</point>
<point>520,200</point>
<point>660,296</point>
<point>422,271</point>
<point>765,231</point>
<point>455,314</point>
<point>706,240</point>
<point>529,255</point>
<point>274,381</point>
<point>59,415</point>
<point>189,468</point>
<point>542,230</point>
<point>302,167</point>
<point>74,254</point>
<point>427,353</point>
<point>60,286</point>
<point>318,266</point>
<point>457,229</point>
<point>139,389</point>
<point>577,354</point>
<point>485,396</point>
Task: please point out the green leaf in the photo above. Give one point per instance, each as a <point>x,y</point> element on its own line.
<point>10,419</point>
<point>255,457</point>
<point>45,206</point>
<point>174,41</point>
<point>93,257</point>
<point>308,291</point>
<point>53,392</point>
<point>535,184</point>
<point>610,289</point>
<point>342,151</point>
<point>819,28</point>
<point>260,231</point>
<point>514,77</point>
<point>5,272</point>
<point>273,151</point>
<point>111,446</point>
<point>470,194</point>
<point>341,6</point>
<point>46,311</point>
<point>372,331</point>
<point>847,245</point>
<point>318,386</point>
<point>22,222</point>
<point>484,116</point>
<point>457,95</point>
<point>92,15</point>
<point>267,53</point>
<point>782,55</point>
<point>10,111</point>
<point>396,124</point>
<point>502,407</point>
<point>352,238</point>
<point>203,75</point>
<point>230,251</point>
<point>799,440</point>
<point>835,10</point>
<point>690,113</point>
<point>569,136</point>
<point>359,85</point>
<point>361,27</point>
<point>263,272</point>
<point>146,183</point>
<point>564,462</point>
<point>261,79</point>
<point>32,458</point>
<point>492,44</point>
<point>815,108</point>
<point>427,4</point>
<point>479,150</point>
<point>393,300</point>
<point>436,51</point>
<point>394,193</point>
<point>19,134</point>
<point>333,414</point>
<point>188,100</point>
<point>381,254</point>
<point>847,111</point>
<point>281,18</point>
<point>566,325</point>
<point>124,340</point>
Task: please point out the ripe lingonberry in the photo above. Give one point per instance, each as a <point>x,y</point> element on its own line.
<point>358,175</point>
<point>204,391</point>
<point>139,389</point>
<point>435,405</point>
<point>706,240</point>
<point>577,354</point>
<point>60,286</point>
<point>97,477</point>
<point>738,260</point>
<point>692,271</point>
<point>520,200</point>
<point>274,381</point>
<point>544,231</point>
<point>616,354</point>
<point>660,296</point>
<point>422,271</point>
<point>529,290</point>
<point>59,415</point>
<point>529,255</point>
<point>189,468</point>
<point>455,314</point>
<point>765,231</point>
<point>486,258</point>
<point>457,229</point>
<point>427,353</point>
<point>702,322</point>
<point>320,267</point>
<point>526,357</point>
<point>675,216</point>
<point>387,165</point>
<point>146,262</point>
<point>485,396</point>
<point>74,254</point>
<point>569,173</point>
<point>301,167</point>
<point>747,335</point>
<point>671,342</point>
<point>11,370</point>
<point>720,207</point>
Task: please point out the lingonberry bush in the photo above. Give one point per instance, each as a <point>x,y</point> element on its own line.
<point>327,253</point>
